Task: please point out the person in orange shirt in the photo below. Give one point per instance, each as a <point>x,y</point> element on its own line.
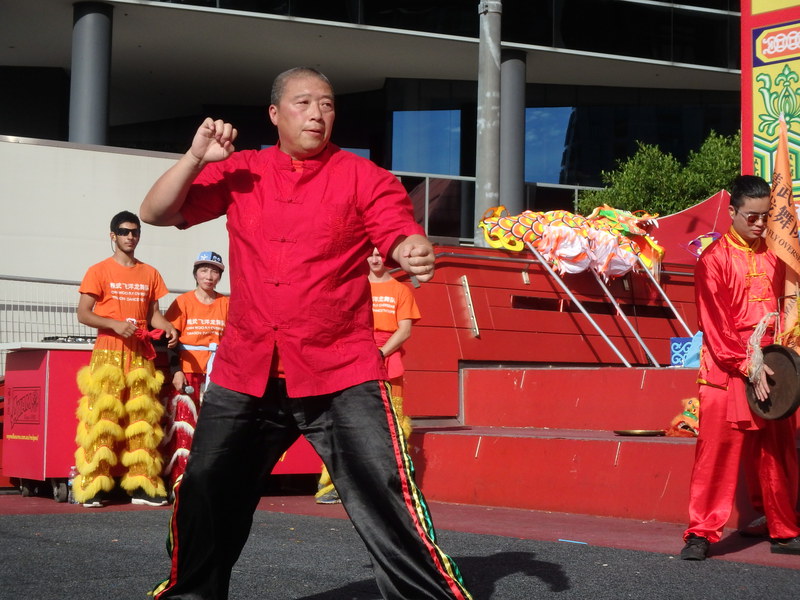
<point>394,310</point>
<point>199,316</point>
<point>119,411</point>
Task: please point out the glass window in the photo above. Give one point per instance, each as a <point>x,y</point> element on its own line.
<point>452,17</point>
<point>546,131</point>
<point>706,39</point>
<point>612,27</point>
<point>426,141</point>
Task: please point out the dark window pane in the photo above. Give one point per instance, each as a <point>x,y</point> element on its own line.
<point>706,39</point>
<point>452,17</point>
<point>346,11</point>
<point>528,22</point>
<point>611,27</point>
<point>540,198</point>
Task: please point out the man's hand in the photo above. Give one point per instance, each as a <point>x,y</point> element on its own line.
<point>761,386</point>
<point>213,141</point>
<point>172,335</point>
<point>179,381</point>
<point>124,329</point>
<point>162,204</point>
<point>416,257</point>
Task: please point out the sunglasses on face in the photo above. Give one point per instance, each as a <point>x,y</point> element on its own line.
<point>124,231</point>
<point>753,217</point>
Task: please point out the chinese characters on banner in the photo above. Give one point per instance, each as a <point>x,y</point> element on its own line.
<point>781,235</point>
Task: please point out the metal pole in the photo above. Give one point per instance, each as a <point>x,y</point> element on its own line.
<point>572,297</point>
<point>487,152</point>
<point>625,318</point>
<point>665,297</point>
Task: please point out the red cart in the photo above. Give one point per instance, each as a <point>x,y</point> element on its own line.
<point>41,396</point>
<point>39,425</point>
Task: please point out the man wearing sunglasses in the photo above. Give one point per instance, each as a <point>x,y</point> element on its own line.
<point>119,411</point>
<point>737,282</point>
<point>298,356</point>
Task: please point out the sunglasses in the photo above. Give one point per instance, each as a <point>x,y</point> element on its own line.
<point>753,217</point>
<point>124,231</point>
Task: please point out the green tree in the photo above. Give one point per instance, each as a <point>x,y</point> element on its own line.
<point>656,182</point>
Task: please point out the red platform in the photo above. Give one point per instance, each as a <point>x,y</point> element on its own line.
<point>516,396</point>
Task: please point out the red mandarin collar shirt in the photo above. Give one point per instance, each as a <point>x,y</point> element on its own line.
<point>736,285</point>
<point>299,240</point>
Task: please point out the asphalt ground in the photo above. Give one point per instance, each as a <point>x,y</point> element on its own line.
<point>302,551</point>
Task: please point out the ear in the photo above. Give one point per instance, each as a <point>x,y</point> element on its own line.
<point>273,114</point>
<point>731,211</point>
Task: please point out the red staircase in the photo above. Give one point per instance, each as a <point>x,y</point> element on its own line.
<point>544,439</point>
<point>516,396</point>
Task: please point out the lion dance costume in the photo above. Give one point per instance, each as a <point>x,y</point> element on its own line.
<point>119,411</point>
<point>201,326</point>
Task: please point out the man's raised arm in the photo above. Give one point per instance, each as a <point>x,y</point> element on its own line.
<point>162,204</point>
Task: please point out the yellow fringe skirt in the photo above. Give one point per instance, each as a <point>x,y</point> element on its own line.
<point>119,417</point>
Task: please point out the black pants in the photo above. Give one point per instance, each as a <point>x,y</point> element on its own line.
<point>238,440</point>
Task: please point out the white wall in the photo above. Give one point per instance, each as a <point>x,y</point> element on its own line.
<point>56,202</point>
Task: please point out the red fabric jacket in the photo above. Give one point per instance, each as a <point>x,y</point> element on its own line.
<point>299,241</point>
<point>735,286</point>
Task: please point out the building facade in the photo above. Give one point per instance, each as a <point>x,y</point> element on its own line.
<point>600,75</point>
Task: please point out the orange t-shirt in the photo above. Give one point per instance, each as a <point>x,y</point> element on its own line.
<point>392,302</point>
<point>123,292</point>
<point>200,325</point>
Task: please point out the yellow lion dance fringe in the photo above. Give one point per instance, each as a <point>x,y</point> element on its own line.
<point>101,414</point>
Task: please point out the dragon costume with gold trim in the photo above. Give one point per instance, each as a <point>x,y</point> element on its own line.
<point>612,242</point>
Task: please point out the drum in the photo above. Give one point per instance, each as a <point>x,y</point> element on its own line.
<point>784,384</point>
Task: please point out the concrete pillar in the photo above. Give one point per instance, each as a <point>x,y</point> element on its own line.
<point>487,153</point>
<point>91,67</point>
<point>512,131</point>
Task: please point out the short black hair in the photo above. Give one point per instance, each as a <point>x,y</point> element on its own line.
<point>280,81</point>
<point>125,216</point>
<point>748,186</point>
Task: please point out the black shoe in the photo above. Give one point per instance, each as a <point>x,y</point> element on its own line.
<point>139,496</point>
<point>696,548</point>
<point>756,529</point>
<point>788,546</point>
<point>101,498</point>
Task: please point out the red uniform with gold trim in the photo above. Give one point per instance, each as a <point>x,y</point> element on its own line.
<point>736,285</point>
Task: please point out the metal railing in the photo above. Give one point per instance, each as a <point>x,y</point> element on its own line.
<point>35,310</point>
<point>445,204</point>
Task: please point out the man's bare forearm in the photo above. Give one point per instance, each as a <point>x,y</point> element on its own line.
<point>162,204</point>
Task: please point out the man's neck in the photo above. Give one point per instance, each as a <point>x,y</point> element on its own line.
<point>123,258</point>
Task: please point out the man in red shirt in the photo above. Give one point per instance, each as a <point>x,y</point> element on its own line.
<point>738,282</point>
<point>298,356</point>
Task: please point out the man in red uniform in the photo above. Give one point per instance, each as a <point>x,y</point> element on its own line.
<point>298,356</point>
<point>737,282</point>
